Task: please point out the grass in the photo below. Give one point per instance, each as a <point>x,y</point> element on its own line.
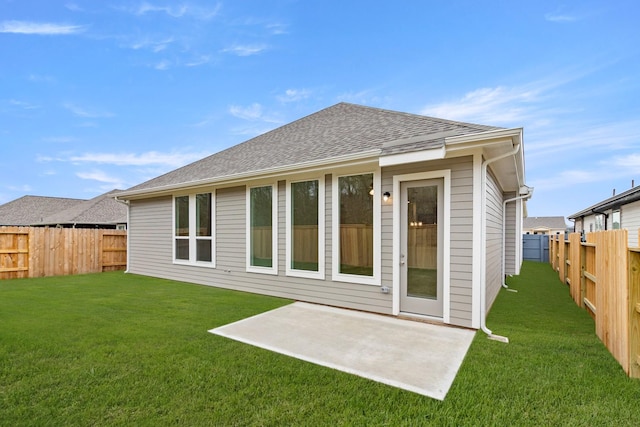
<point>115,349</point>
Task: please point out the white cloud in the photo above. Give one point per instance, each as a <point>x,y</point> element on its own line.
<point>172,159</point>
<point>560,17</point>
<point>23,104</point>
<point>617,135</point>
<point>179,10</point>
<point>162,65</point>
<point>25,188</point>
<point>631,162</point>
<point>365,97</point>
<point>59,139</point>
<point>200,60</point>
<point>73,7</point>
<point>253,112</point>
<point>292,95</point>
<point>276,29</point>
<point>153,45</point>
<point>100,176</point>
<point>246,50</point>
<point>499,104</point>
<point>39,28</point>
<point>38,78</point>
<point>83,112</point>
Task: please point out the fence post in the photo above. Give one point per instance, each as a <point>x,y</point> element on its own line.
<point>583,278</point>
<point>634,313</point>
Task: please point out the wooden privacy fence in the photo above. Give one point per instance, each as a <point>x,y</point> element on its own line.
<point>603,276</point>
<point>44,251</point>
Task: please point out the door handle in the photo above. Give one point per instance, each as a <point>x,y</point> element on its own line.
<point>402,259</point>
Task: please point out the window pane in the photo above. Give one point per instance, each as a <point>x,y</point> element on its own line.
<point>356,224</point>
<point>182,249</point>
<point>203,214</point>
<point>261,226</point>
<point>616,220</point>
<point>304,223</point>
<point>203,250</point>
<point>182,216</point>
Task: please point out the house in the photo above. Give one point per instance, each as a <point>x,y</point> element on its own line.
<point>618,211</point>
<point>102,211</point>
<point>31,209</point>
<point>351,206</point>
<point>544,225</point>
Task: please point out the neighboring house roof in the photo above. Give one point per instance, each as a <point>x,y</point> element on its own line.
<point>614,202</point>
<point>103,209</point>
<point>544,222</point>
<point>30,209</point>
<point>336,132</point>
<point>39,210</point>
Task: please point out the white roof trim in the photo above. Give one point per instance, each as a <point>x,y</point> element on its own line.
<point>413,157</point>
<point>323,163</point>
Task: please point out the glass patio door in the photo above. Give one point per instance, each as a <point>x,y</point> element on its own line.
<point>421,245</point>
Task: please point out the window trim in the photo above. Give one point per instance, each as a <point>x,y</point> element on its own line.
<point>336,276</point>
<point>289,271</point>
<point>192,237</point>
<point>274,232</point>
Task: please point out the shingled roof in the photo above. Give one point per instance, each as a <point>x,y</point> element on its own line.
<point>341,130</point>
<point>39,211</point>
<point>101,210</point>
<point>31,209</point>
<point>552,222</point>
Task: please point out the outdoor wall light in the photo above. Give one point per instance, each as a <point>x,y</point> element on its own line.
<point>386,195</point>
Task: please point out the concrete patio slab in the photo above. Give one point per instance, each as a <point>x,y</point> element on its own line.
<point>415,356</point>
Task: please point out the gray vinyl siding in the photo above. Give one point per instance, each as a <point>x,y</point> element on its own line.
<point>461,219</point>
<point>630,219</point>
<point>151,243</point>
<point>511,235</point>
<point>493,258</point>
<point>151,236</point>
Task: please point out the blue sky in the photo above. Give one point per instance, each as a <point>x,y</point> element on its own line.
<point>96,95</point>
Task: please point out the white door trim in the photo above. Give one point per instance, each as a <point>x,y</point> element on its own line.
<point>445,174</point>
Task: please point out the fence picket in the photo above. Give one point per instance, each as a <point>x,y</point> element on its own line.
<point>604,278</point>
<point>40,252</point>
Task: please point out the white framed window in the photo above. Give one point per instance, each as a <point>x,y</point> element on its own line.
<point>305,239</point>
<point>193,232</point>
<point>615,220</point>
<point>356,229</point>
<point>262,229</point>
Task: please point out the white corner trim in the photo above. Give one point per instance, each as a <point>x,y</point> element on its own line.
<point>476,268</point>
<point>413,157</point>
<point>445,175</point>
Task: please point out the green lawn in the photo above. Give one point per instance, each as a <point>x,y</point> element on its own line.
<point>116,349</point>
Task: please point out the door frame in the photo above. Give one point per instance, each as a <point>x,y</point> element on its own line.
<point>445,175</point>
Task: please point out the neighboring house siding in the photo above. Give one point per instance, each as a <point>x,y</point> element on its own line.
<point>494,239</point>
<point>151,243</point>
<point>461,230</point>
<point>630,219</point>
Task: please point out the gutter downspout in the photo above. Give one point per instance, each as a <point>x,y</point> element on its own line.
<point>504,235</point>
<point>483,240</point>
<point>126,202</point>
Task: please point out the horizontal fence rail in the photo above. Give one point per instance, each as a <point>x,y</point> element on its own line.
<point>45,251</point>
<point>603,275</point>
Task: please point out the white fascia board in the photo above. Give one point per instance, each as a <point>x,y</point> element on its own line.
<point>283,171</point>
<point>484,138</point>
<point>413,157</point>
